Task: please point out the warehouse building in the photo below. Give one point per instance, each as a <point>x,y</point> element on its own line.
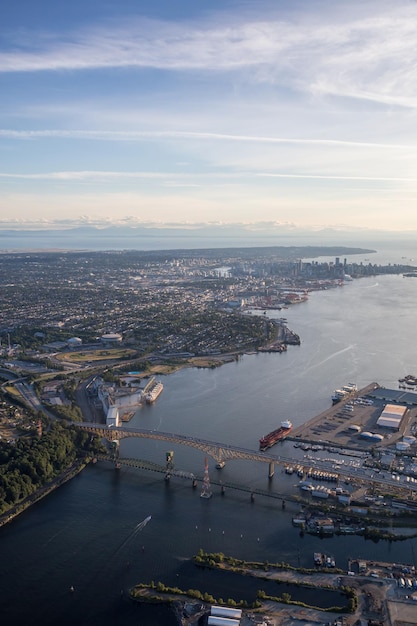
<point>112,418</point>
<point>224,616</point>
<point>392,416</point>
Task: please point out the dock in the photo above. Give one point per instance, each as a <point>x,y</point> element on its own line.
<point>341,424</point>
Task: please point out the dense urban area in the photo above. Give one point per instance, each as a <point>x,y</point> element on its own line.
<point>73,324</point>
<point>165,301</point>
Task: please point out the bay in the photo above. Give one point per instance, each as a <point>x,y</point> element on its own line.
<point>85,534</point>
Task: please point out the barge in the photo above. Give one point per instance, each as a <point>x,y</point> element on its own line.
<point>276,435</point>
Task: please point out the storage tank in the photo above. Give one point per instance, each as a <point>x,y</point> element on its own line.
<point>377,437</point>
<point>74,342</point>
<point>402,446</point>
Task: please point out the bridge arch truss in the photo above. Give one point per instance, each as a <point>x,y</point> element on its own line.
<point>218,451</point>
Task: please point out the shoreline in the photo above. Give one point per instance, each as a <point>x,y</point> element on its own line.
<point>158,368</point>
<point>24,505</point>
<point>378,585</point>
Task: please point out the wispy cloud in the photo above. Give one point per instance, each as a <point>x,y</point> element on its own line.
<point>86,175</point>
<point>325,177</point>
<point>182,179</point>
<point>103,135</point>
<point>370,56</point>
<point>301,111</point>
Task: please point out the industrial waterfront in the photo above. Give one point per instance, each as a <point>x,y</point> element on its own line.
<point>83,534</point>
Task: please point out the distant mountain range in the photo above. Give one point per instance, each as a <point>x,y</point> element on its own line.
<point>187,237</point>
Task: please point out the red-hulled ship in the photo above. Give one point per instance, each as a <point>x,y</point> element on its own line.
<point>276,435</point>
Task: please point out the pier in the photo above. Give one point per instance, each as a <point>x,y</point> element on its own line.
<point>336,425</point>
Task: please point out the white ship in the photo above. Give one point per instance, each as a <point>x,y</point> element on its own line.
<point>154,391</point>
<point>344,392</point>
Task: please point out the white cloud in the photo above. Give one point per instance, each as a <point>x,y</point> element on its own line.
<point>295,111</point>
<point>366,55</point>
<point>134,135</point>
<point>182,179</point>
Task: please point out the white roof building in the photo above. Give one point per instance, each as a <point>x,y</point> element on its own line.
<point>392,416</point>
<point>226,611</point>
<point>112,418</point>
<point>74,342</point>
<point>214,620</point>
<point>111,338</point>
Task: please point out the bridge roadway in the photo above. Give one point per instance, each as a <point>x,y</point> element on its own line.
<point>222,453</point>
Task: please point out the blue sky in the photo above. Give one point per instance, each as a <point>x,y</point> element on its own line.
<point>169,112</point>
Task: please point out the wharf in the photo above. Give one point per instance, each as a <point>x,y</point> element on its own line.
<point>332,426</point>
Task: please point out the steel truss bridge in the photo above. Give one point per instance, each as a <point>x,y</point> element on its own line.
<point>221,453</point>
<point>225,486</point>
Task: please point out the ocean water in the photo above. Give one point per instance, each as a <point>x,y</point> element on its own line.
<point>389,247</point>
<point>86,534</point>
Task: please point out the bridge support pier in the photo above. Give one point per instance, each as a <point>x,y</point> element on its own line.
<point>169,458</point>
<point>271,470</point>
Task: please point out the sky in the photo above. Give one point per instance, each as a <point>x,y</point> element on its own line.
<point>288,112</point>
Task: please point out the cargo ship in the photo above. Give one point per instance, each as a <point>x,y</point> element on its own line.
<point>276,435</point>
<point>153,391</point>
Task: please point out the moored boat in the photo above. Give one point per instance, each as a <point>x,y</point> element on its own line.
<point>152,394</point>
<point>344,393</point>
<point>276,435</point>
<point>324,560</point>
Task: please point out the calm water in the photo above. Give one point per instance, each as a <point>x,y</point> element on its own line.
<point>84,534</point>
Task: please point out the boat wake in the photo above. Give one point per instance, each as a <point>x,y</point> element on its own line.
<point>328,358</point>
<point>65,528</point>
<point>133,534</point>
<point>141,525</point>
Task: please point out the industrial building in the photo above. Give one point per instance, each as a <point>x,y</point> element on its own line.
<point>224,616</point>
<point>124,398</point>
<point>214,620</point>
<point>392,416</point>
<point>112,418</point>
